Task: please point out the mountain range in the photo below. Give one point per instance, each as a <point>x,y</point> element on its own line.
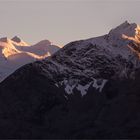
<point>15,53</point>
<point>87,89</point>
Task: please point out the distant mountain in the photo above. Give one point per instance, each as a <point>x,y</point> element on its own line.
<point>88,89</point>
<point>15,53</point>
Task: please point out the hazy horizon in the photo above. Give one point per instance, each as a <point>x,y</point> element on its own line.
<point>62,21</point>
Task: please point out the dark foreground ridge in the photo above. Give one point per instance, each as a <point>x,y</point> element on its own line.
<point>31,106</point>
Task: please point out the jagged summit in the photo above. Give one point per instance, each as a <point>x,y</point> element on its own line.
<point>124,25</point>
<point>124,29</point>
<point>16,39</point>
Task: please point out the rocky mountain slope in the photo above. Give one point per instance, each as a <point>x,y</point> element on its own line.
<point>94,61</point>
<point>87,89</point>
<point>15,53</point>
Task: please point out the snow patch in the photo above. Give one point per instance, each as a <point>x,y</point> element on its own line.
<point>74,83</point>
<point>83,89</point>
<point>99,84</point>
<point>69,88</point>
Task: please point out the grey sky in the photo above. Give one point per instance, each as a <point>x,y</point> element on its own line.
<point>62,21</point>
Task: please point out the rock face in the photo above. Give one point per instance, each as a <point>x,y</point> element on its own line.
<point>88,89</point>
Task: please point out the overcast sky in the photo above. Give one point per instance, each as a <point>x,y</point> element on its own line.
<point>62,21</point>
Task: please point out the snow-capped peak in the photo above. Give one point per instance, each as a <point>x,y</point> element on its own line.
<point>44,42</point>
<point>16,39</point>
<point>125,28</point>
<point>134,35</point>
<point>7,47</point>
<point>15,52</point>
<point>19,42</point>
<point>126,31</point>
